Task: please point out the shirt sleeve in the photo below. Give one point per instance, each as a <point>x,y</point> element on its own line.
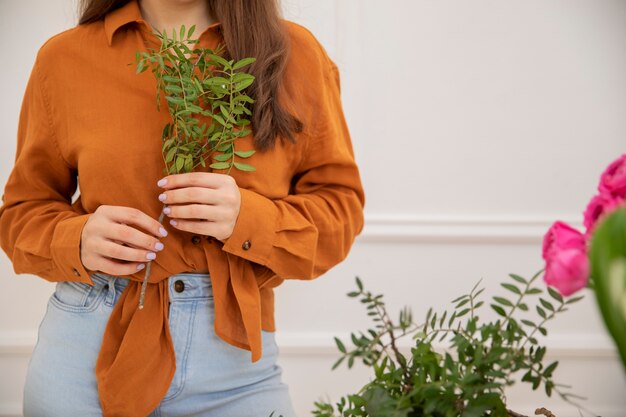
<point>306,233</point>
<point>39,230</point>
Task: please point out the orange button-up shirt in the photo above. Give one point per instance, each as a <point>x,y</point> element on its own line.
<point>87,118</point>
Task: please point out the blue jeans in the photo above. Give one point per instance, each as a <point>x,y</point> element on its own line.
<point>213,378</point>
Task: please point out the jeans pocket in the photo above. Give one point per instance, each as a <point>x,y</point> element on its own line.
<point>79,297</point>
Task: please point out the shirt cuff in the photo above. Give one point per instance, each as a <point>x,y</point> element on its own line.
<point>255,228</point>
<point>65,248</point>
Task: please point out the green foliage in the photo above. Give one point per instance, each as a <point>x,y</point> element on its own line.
<point>468,378</point>
<point>608,271</point>
<point>199,84</point>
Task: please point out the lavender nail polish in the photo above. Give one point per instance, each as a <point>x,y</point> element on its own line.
<point>162,196</point>
<point>159,246</point>
<point>163,231</point>
<point>140,267</point>
<point>167,210</point>
<point>151,255</point>
<point>162,182</point>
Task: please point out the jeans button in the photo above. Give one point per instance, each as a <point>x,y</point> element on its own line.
<point>179,286</point>
<point>195,239</point>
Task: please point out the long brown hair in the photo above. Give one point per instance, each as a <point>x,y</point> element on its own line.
<point>251,28</point>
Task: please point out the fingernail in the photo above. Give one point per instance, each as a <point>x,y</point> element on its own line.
<point>173,222</point>
<point>167,210</point>
<point>162,197</point>
<point>140,267</point>
<point>159,246</point>
<point>162,182</point>
<point>151,255</point>
<point>162,231</point>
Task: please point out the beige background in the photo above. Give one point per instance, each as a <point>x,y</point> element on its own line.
<point>476,123</point>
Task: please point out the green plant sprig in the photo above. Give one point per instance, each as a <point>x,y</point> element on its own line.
<point>198,84</point>
<point>469,378</point>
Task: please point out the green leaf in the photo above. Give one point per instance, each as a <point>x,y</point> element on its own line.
<point>554,294</point>
<point>223,157</point>
<point>182,32</point>
<point>340,345</point>
<point>170,155</point>
<point>221,61</point>
<point>245,154</point>
<point>498,310</point>
<point>546,304</point>
<point>518,279</point>
<point>180,161</point>
<point>503,301</point>
<point>191,30</point>
<point>243,62</point>
<point>244,167</point>
<point>511,288</point>
<point>220,165</point>
<point>541,312</point>
<point>359,284</point>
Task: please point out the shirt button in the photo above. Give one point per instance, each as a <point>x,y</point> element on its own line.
<point>195,239</point>
<point>179,286</point>
<point>76,272</point>
<point>246,245</point>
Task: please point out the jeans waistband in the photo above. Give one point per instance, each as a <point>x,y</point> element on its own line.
<point>183,286</point>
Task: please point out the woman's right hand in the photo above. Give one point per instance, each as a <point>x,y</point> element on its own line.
<point>109,244</point>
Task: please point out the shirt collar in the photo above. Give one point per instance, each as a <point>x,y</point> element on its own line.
<point>128,13</point>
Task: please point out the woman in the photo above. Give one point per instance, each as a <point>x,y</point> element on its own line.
<point>88,118</point>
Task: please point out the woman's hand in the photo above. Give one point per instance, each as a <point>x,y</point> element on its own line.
<point>109,244</point>
<point>203,203</point>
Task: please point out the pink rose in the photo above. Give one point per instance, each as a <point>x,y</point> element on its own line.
<point>599,206</point>
<point>565,253</point>
<point>613,179</point>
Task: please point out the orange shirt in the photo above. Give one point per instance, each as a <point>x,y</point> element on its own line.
<point>88,118</point>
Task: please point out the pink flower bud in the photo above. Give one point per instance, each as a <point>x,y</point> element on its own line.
<point>565,253</point>
<point>598,207</point>
<point>613,179</point>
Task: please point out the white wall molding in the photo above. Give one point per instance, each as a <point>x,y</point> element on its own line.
<point>322,344</point>
<point>406,228</point>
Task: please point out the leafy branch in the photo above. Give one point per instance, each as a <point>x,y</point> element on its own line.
<point>207,103</point>
<point>469,377</point>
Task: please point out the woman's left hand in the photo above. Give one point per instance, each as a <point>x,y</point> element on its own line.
<point>203,203</point>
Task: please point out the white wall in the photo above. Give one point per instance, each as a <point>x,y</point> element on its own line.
<point>476,124</point>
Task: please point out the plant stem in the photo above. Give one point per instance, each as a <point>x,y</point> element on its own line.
<point>144,284</point>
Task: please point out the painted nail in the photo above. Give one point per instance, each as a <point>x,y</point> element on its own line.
<point>167,210</point>
<point>162,182</point>
<point>159,246</point>
<point>162,197</point>
<point>173,222</point>
<point>151,255</point>
<point>140,267</point>
<point>162,231</point>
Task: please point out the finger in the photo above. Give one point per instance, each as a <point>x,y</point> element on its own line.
<point>117,268</point>
<point>129,236</point>
<point>112,250</point>
<point>191,195</point>
<point>132,216</point>
<point>194,179</point>
<point>196,211</point>
<point>200,227</point>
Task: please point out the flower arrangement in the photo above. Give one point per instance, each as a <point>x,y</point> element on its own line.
<point>596,258</point>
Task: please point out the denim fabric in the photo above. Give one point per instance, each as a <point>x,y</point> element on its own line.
<point>213,378</point>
